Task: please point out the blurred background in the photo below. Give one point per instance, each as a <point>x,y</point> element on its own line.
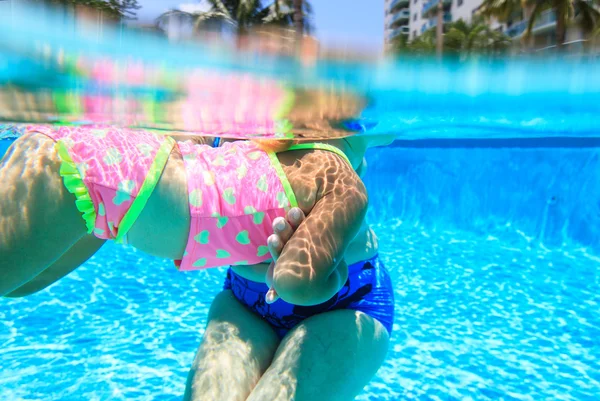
<point>456,28</point>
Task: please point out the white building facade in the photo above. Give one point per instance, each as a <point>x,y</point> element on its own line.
<point>397,17</point>
<point>412,18</point>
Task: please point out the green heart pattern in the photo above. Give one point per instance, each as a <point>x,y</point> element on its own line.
<point>112,156</point>
<point>262,183</point>
<point>202,237</point>
<point>228,196</point>
<point>243,237</point>
<point>125,189</point>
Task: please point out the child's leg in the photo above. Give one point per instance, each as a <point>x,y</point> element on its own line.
<point>236,349</point>
<point>38,218</point>
<point>83,249</point>
<point>329,356</point>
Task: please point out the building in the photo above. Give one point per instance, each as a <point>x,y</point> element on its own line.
<point>430,10</point>
<point>397,17</point>
<point>543,32</point>
<point>411,18</point>
<point>418,23</point>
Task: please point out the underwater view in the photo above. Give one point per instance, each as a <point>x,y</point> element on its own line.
<point>481,206</point>
<point>495,284</point>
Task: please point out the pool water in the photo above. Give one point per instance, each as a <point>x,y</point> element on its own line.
<point>493,252</point>
<point>487,209</point>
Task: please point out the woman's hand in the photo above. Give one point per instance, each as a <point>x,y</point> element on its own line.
<point>282,231</point>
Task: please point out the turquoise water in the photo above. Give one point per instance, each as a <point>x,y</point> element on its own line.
<point>492,249</point>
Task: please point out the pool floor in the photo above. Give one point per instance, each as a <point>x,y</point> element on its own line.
<point>477,318</point>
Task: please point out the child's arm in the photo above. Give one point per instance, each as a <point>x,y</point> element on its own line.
<point>310,269</point>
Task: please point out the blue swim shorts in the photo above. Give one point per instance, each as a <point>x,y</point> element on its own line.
<point>368,289</point>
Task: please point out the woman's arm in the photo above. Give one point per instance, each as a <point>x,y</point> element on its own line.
<point>310,269</point>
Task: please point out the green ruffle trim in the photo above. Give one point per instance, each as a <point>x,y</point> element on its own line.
<point>74,184</point>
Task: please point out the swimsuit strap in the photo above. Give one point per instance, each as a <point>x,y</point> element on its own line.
<point>310,146</point>
<point>321,146</point>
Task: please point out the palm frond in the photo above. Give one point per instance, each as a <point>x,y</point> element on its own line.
<point>502,10</point>
<point>476,37</point>
<point>539,7</point>
<point>461,25</point>
<point>454,40</point>
<point>588,14</point>
<point>275,13</point>
<point>246,10</point>
<point>202,18</point>
<point>243,13</point>
<point>221,6</point>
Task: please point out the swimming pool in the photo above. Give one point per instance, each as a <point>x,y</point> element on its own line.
<point>492,247</point>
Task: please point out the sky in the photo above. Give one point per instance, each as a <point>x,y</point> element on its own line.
<point>338,22</point>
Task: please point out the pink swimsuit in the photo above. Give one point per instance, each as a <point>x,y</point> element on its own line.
<point>111,171</point>
<point>235,191</point>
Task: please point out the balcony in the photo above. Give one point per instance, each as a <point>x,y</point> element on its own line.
<point>400,18</point>
<point>395,5</point>
<point>403,30</point>
<point>430,8</point>
<point>432,23</point>
<point>545,20</point>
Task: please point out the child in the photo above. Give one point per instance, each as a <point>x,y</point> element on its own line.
<point>199,205</point>
<point>259,347</point>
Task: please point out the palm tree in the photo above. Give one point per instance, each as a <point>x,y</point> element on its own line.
<point>475,38</point>
<point>124,8</point>
<point>423,45</point>
<point>244,14</point>
<point>461,40</point>
<point>439,29</point>
<point>585,11</point>
<point>298,16</point>
<point>503,10</point>
<point>399,44</point>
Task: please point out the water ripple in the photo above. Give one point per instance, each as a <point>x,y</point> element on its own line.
<point>477,318</point>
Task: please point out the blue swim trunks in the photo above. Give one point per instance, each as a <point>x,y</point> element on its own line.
<point>368,289</point>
